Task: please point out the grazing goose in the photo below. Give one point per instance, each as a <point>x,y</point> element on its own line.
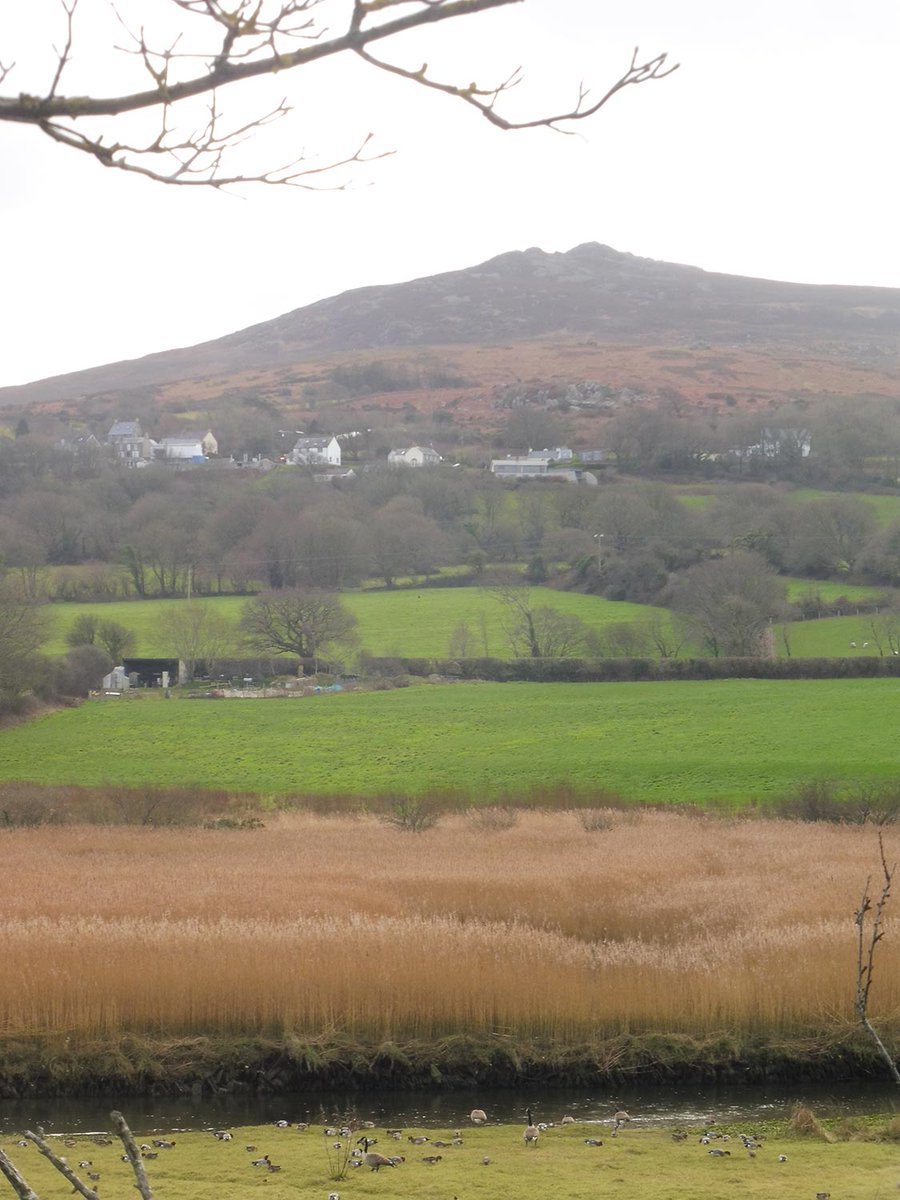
<point>373,1160</point>
<point>478,1116</point>
<point>567,1120</point>
<point>592,1142</point>
<point>717,1153</point>
<point>431,1159</point>
<point>532,1133</point>
<point>418,1139</point>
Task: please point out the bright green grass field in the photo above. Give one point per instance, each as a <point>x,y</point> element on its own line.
<point>830,637</point>
<point>642,1163</point>
<point>408,624</point>
<point>734,740</point>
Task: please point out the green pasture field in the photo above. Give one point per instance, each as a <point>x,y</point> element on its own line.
<point>887,507</point>
<point>408,623</point>
<point>830,637</point>
<point>734,741</point>
<point>798,588</point>
<point>638,1162</point>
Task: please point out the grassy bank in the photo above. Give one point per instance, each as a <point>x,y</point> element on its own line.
<point>733,741</point>
<point>490,1162</point>
<point>547,946</point>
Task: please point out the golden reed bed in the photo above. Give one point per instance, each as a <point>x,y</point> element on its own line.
<point>660,921</point>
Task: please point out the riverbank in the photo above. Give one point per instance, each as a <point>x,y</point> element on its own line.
<point>206,1067</point>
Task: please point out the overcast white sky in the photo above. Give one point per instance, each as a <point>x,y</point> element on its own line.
<point>771,152</point>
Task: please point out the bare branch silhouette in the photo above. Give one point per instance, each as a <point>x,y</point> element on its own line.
<point>250,39</point>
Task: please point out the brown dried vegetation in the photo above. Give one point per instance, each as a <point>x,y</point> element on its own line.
<point>658,922</point>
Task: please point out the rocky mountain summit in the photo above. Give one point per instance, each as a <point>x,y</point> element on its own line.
<point>591,292</point>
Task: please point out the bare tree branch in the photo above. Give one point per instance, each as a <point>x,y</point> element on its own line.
<point>61,1165</point>
<point>15,1180</point>
<point>868,935</point>
<point>254,38</point>
<point>134,1155</point>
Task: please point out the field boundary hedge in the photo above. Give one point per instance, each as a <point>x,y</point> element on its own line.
<point>627,670</point>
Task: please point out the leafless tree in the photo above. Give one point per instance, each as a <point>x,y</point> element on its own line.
<point>538,631</point>
<point>869,920</point>
<point>219,43</point>
<point>297,621</point>
<point>196,633</point>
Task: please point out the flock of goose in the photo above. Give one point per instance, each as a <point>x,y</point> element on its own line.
<point>363,1155</point>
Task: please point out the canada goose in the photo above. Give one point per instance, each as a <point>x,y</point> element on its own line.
<point>303,1126</point>
<point>679,1136</point>
<point>272,1168</point>
<point>486,1161</point>
<point>163,1144</point>
<point>94,1176</point>
<point>567,1120</point>
<point>532,1133</point>
<point>282,1124</point>
<point>85,1162</point>
<point>592,1142</point>
<point>432,1159</point>
<point>478,1116</point>
<point>418,1139</point>
<point>260,1162</point>
<point>251,1149</point>
<point>717,1153</point>
<point>620,1118</point>
<point>782,1158</point>
<point>374,1160</point>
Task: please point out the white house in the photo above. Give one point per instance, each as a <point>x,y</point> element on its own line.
<point>414,456</point>
<point>316,451</point>
<point>188,448</point>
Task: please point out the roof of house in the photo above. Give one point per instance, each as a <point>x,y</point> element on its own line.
<point>313,443</point>
<point>125,429</point>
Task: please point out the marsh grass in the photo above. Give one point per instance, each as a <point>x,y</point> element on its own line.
<point>664,924</point>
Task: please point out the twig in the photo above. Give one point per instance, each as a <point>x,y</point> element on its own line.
<point>865,953</point>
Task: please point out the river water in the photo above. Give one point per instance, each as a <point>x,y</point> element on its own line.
<point>649,1107</point>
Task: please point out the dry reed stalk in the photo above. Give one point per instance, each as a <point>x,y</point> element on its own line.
<point>674,923</point>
